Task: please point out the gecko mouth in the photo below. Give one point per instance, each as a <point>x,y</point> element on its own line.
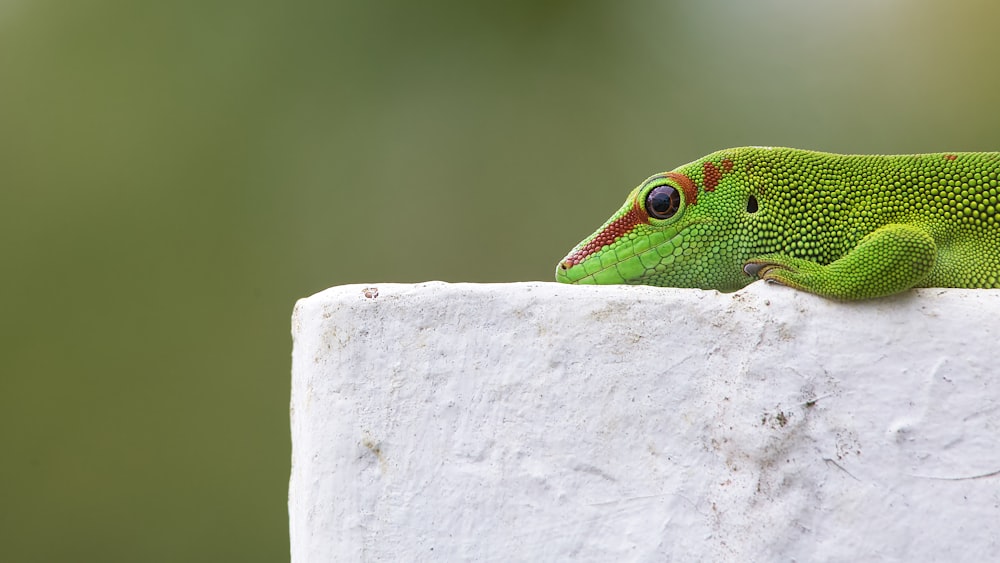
<point>567,264</point>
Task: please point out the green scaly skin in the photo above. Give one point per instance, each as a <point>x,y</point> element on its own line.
<point>841,226</point>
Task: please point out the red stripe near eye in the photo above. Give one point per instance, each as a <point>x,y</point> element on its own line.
<point>712,175</point>
<point>622,225</point>
<point>615,229</point>
<point>690,191</point>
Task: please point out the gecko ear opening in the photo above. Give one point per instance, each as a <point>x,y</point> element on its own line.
<point>752,204</point>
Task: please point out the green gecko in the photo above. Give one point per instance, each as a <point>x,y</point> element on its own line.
<point>841,226</point>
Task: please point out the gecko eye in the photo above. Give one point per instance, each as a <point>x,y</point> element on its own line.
<point>662,202</point>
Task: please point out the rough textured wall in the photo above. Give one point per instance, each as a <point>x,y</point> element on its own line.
<point>538,421</point>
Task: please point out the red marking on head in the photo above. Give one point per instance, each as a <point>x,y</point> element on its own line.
<point>690,191</point>
<point>727,166</point>
<point>950,156</point>
<point>712,176</point>
<point>620,226</point>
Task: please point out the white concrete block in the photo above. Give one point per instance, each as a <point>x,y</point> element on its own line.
<point>544,422</point>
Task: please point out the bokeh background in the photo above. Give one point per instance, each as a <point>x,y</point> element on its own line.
<point>174,175</point>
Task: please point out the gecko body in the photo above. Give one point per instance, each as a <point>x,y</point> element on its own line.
<point>841,226</point>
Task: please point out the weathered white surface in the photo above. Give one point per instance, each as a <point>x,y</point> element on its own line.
<point>543,422</point>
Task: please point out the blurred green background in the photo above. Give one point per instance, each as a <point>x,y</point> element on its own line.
<point>176,174</point>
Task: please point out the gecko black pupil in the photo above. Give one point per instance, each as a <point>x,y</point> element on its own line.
<point>662,202</point>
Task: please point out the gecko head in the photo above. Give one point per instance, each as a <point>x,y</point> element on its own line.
<point>665,234</point>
